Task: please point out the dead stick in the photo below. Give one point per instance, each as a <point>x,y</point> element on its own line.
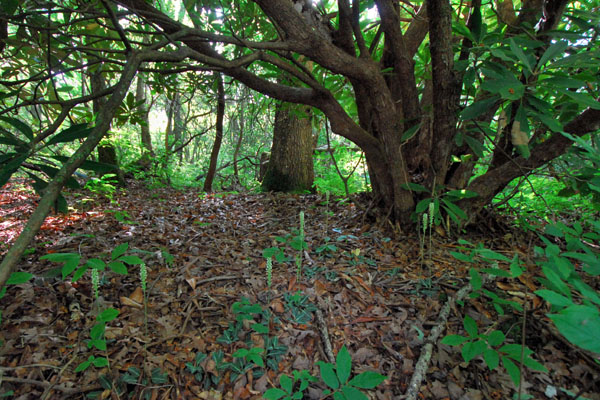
<point>61,388</point>
<point>434,334</point>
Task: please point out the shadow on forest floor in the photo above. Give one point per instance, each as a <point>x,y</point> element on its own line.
<point>372,291</point>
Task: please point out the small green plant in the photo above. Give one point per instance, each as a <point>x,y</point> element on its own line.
<point>98,341</point>
<point>117,262</point>
<point>291,388</point>
<point>243,311</point>
<point>491,346</point>
<point>197,368</point>
<point>299,307</point>
<point>105,185</point>
<point>251,355</point>
<point>336,377</point>
<point>123,217</point>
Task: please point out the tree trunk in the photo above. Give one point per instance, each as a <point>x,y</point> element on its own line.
<point>146,139</point>
<point>106,150</point>
<point>290,167</point>
<point>214,155</point>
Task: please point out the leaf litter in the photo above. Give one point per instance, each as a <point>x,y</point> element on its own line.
<point>205,252</point>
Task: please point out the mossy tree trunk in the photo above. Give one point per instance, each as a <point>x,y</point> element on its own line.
<point>290,167</point>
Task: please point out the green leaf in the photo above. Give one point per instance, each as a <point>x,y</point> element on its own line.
<point>83,366</point>
<point>96,263</point>
<point>119,251</point>
<point>79,273</point>
<point>491,358</point>
<point>512,369</point>
<point>260,328</point>
<point>20,126</point>
<point>580,324</point>
<point>131,260</point>
<point>367,380</point>
<point>108,315</point>
<point>343,364</point>
<point>118,267</point>
<point>479,107</point>
<point>554,50</point>
<point>492,255</point>
<point>454,340</point>
<point>70,134</point>
<point>520,55</point>
<point>351,393</point>
<point>496,338</point>
<point>554,298</point>
<point>16,278</point>
<point>470,326</point>
<point>583,99</point>
<point>286,383</point>
<point>328,375</point>
<point>241,353</point>
<point>472,349</point>
<point>415,187</point>
<point>274,394</point>
<point>534,365</point>
<point>475,145</point>
<point>476,23</point>
<point>410,132</point>
<point>100,362</point>
<point>476,280</point>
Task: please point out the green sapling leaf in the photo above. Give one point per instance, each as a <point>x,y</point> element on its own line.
<point>328,375</point>
<point>343,364</point>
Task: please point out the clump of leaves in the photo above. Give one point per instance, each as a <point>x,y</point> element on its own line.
<point>299,307</point>
<point>336,377</point>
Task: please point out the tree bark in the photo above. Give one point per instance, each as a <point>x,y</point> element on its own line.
<point>290,168</point>
<point>146,139</point>
<point>214,155</point>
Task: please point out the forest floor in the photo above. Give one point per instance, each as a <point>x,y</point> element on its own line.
<point>374,290</point>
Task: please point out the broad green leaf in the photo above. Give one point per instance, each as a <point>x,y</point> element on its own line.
<point>534,365</point>
<point>552,51</point>
<point>476,23</point>
<point>100,362</point>
<point>410,132</point>
<point>492,255</point>
<point>367,380</point>
<point>96,263</point>
<point>472,349</point>
<point>131,260</point>
<point>97,331</point>
<point>260,328</point>
<point>286,383</point>
<point>476,280</point>
<point>496,338</point>
<point>415,187</point>
<point>118,267</point>
<point>475,145</point>
<point>554,298</point>
<point>274,394</point>
<point>479,107</point>
<point>20,126</point>
<point>351,393</point>
<point>119,251</point>
<point>491,358</point>
<point>16,278</point>
<point>78,131</point>
<point>512,369</point>
<point>454,340</point>
<point>108,315</point>
<point>583,99</point>
<point>328,375</point>
<point>580,324</point>
<point>79,273</point>
<point>470,326</point>
<point>520,55</point>
<point>343,364</point>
